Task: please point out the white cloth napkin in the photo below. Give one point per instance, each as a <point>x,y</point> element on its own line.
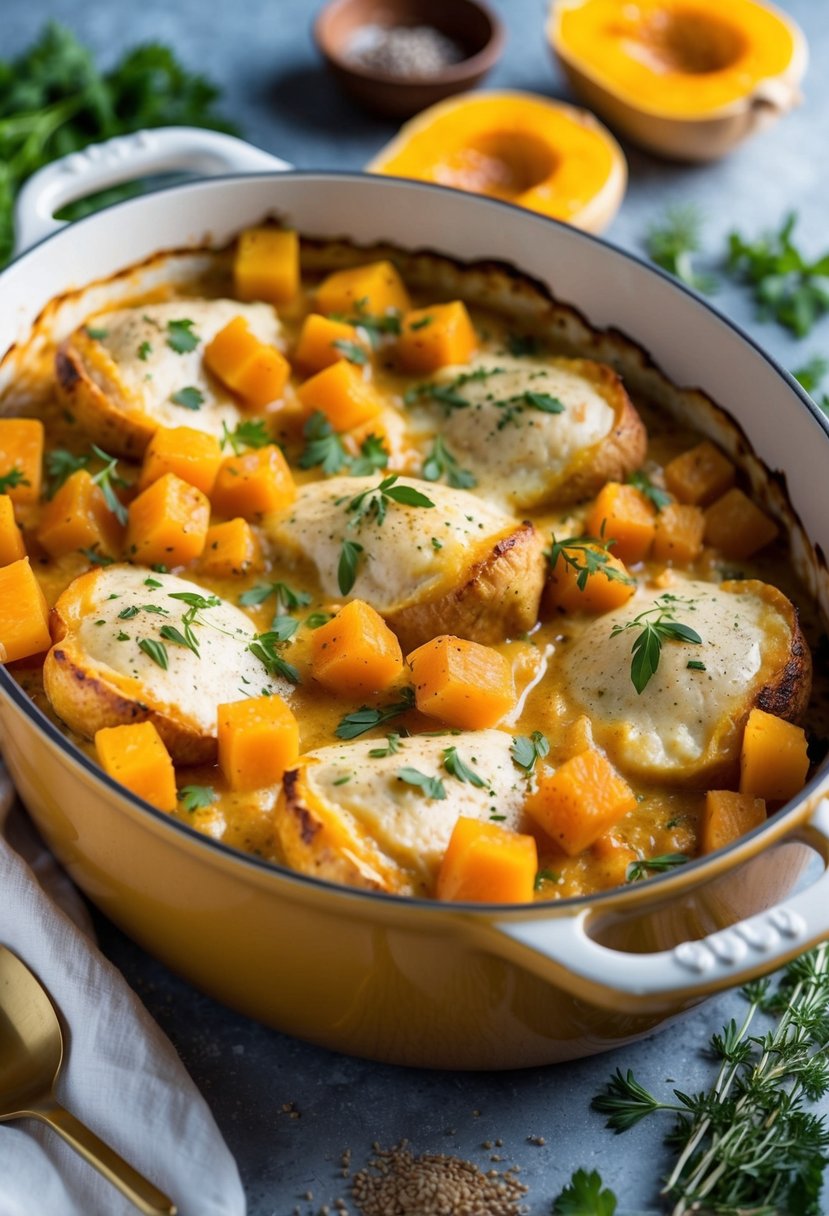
<point>120,1076</point>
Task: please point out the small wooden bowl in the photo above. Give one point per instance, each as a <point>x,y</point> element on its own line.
<point>469,23</point>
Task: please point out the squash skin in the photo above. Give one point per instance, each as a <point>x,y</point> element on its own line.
<point>690,124</point>
<point>538,153</point>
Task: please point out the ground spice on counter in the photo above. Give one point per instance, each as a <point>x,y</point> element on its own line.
<point>396,1183</point>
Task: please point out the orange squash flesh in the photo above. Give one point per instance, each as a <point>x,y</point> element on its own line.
<point>462,683</point>
<point>21,450</point>
<point>316,346</point>
<point>192,455</point>
<point>435,337</point>
<point>12,545</point>
<point>539,153</point>
<point>579,801</point>
<point>167,523</point>
<point>266,265</point>
<point>485,863</point>
<point>135,756</point>
<point>774,759</point>
<point>699,475</point>
<point>602,592</point>
<point>679,534</point>
<point>356,651</point>
<point>342,394</point>
<point>253,369</point>
<point>24,613</point>
<point>374,289</point>
<point>231,549</point>
<point>623,514</point>
<point>738,528</point>
<point>78,518</point>
<point>726,816</point>
<point>253,483</point>
<point>258,741</point>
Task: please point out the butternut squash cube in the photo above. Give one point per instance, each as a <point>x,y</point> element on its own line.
<point>435,337</point>
<point>774,761</point>
<point>24,613</point>
<point>699,475</point>
<point>623,514</point>
<point>462,683</point>
<point>317,345</point>
<point>78,518</point>
<point>573,587</point>
<point>258,741</point>
<point>192,455</point>
<point>679,534</point>
<point>342,394</point>
<point>253,483</point>
<point>485,863</point>
<point>266,265</point>
<point>356,651</point>
<point>253,369</point>
<point>167,523</point>
<point>21,458</point>
<point>135,756</point>
<point>230,549</point>
<point>12,545</point>
<point>579,801</point>
<point>374,289</point>
<point>726,816</point>
<point>738,528</point>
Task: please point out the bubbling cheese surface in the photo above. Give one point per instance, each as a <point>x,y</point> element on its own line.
<point>685,717</point>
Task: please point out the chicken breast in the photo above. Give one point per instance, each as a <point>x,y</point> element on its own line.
<point>534,431</point>
<point>351,817</point>
<point>119,374</point>
<point>111,664</point>
<point>687,723</point>
<point>458,566</point>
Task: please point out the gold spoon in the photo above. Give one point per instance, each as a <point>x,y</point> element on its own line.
<point>31,1053</point>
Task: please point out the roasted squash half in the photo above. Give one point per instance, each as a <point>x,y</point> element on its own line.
<point>538,153</point>
<point>685,78</point>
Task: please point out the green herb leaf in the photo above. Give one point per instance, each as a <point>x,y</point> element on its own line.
<point>787,287</point>
<point>432,787</point>
<point>352,351</point>
<point>585,1195</point>
<point>190,398</point>
<point>519,345</point>
<point>144,351</point>
<point>60,465</point>
<point>672,243</point>
<point>373,457</point>
<point>525,751</point>
<point>447,393</point>
<point>180,337</point>
<point>284,627</point>
<point>96,557</point>
<point>96,334</point>
<point>264,647</point>
<point>154,650</point>
<point>420,323</point>
<point>171,634</point>
<point>366,717</point>
<point>347,565</point>
<point>323,447</point>
<point>286,596</point>
<point>196,797</point>
<point>456,767</point>
<point>544,876</point>
<point>656,625</point>
<point>315,619</point>
<point>108,478</point>
<point>441,463</point>
<point>587,555</point>
<point>812,373</point>
<point>644,485</point>
<point>252,433</point>
<point>15,477</point>
<point>393,745</point>
<point>637,870</point>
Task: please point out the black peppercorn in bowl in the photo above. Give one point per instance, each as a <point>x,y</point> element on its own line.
<point>397,57</point>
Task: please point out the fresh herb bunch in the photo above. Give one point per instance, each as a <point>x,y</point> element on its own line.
<point>672,244</point>
<point>54,100</point>
<point>749,1143</point>
<point>786,285</point>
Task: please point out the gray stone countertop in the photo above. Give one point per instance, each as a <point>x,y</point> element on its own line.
<point>262,56</point>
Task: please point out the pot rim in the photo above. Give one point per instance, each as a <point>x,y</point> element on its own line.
<point>619,897</point>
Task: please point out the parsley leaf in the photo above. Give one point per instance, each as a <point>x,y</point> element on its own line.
<point>286,597</point>
<point>432,787</point>
<point>392,747</point>
<point>373,457</point>
<point>366,718</point>
<point>195,797</point>
<point>264,647</point>
<point>374,501</point>
<point>15,477</point>
<point>108,478</point>
<point>447,393</point>
<point>441,463</point>
<point>352,351</point>
<point>190,398</point>
<point>456,767</point>
<point>144,351</point>
<point>525,751</point>
<point>180,336</point>
<point>252,433</point>
<point>810,375</point>
<point>585,1195</point>
<point>656,625</point>
<point>787,287</point>
<point>60,465</point>
<point>586,555</point>
<point>641,481</point>
<point>347,565</point>
<point>323,448</point>
<point>672,243</point>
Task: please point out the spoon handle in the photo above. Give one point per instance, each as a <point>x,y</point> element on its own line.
<point>138,1189</point>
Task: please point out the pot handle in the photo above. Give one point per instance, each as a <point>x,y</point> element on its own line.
<point>127,158</point>
<point>669,978</point>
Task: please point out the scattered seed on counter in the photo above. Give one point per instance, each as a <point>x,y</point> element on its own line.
<point>396,1183</point>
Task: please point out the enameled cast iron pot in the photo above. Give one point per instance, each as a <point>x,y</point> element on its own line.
<point>403,980</point>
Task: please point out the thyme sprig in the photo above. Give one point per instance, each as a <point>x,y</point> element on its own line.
<point>748,1143</point>
<point>645,866</point>
<point>656,625</point>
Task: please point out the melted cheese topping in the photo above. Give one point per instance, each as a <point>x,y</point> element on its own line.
<point>685,718</point>
<point>142,371</point>
<point>519,453</point>
<point>125,607</point>
<point>412,555</point>
<point>401,820</point>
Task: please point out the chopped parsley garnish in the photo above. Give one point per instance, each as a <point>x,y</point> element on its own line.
<point>352,351</point>
<point>15,477</point>
<point>366,718</point>
<point>60,465</point>
<point>525,751</point>
<point>644,485</point>
<point>264,648</point>
<point>180,336</point>
<point>96,333</point>
<point>640,869</point>
<point>373,457</point>
<point>374,325</point>
<point>315,619</point>
<point>144,350</point>
<point>190,398</point>
<point>441,463</point>
<point>347,565</point>
<point>421,323</point>
<point>695,665</point>
<point>432,787</point>
<point>787,287</point>
<point>456,767</point>
<point>284,627</point>
<point>196,797</point>
<point>154,650</point>
<point>253,433</point>
<point>545,876</point>
<point>107,479</point>
<point>586,555</point>
<point>286,597</point>
<point>448,394</point>
<point>323,446</point>
<point>656,625</point>
<point>512,407</point>
<point>393,745</point>
<point>152,583</point>
<point>96,557</point>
